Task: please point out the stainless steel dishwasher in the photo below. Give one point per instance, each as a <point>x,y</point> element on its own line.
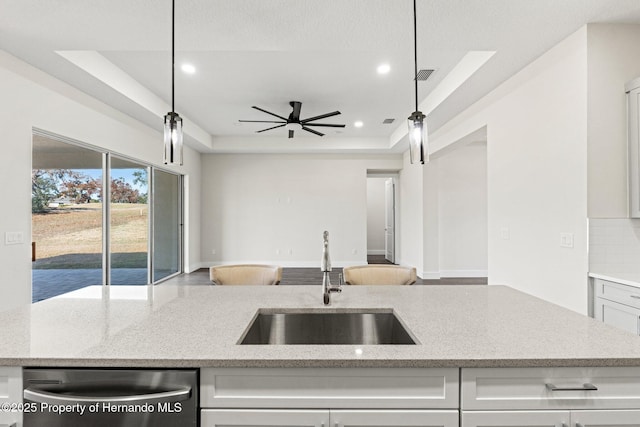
<point>110,397</point>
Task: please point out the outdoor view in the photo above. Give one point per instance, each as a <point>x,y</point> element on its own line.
<point>67,219</point>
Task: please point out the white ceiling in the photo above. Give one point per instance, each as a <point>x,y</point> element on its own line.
<point>323,53</point>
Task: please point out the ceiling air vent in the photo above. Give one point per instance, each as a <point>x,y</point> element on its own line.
<point>424,74</point>
<point>388,121</point>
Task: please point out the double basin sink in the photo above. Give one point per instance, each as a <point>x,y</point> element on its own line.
<point>379,327</point>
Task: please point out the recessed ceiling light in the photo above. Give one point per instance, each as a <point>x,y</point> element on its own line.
<point>383,68</point>
<point>358,124</point>
<point>188,69</point>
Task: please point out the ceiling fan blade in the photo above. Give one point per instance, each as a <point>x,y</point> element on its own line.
<point>312,131</point>
<point>321,116</point>
<point>259,121</point>
<point>290,133</point>
<point>275,127</point>
<point>324,125</point>
<point>295,114</point>
<point>268,112</point>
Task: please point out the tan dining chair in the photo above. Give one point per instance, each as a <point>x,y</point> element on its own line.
<point>245,274</point>
<point>379,274</point>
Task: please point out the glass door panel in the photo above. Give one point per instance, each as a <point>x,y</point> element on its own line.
<point>66,217</point>
<point>166,224</point>
<point>129,222</point>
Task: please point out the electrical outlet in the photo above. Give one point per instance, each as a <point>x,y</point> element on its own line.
<point>354,251</point>
<point>505,233</point>
<point>290,251</point>
<point>213,251</point>
<point>277,251</point>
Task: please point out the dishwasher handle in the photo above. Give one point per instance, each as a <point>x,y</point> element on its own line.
<point>41,396</point>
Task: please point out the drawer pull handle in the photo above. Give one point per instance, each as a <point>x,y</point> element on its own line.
<point>585,387</point>
<point>635,296</point>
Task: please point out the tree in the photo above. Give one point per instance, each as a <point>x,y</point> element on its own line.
<point>43,190</point>
<point>79,187</point>
<point>123,192</point>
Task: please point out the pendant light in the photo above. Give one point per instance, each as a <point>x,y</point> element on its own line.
<point>418,135</point>
<point>172,121</point>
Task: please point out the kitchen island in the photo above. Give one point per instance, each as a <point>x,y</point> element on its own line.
<point>485,355</point>
<point>200,326</point>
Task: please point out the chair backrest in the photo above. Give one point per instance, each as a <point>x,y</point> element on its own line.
<point>379,274</point>
<point>246,274</point>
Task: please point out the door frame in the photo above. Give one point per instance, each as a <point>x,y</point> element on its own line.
<point>395,175</point>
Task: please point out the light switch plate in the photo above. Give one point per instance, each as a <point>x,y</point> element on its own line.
<point>13,238</point>
<point>566,240</point>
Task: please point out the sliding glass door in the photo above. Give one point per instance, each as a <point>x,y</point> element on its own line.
<point>129,222</point>
<point>100,219</point>
<point>167,224</point>
<point>66,217</point>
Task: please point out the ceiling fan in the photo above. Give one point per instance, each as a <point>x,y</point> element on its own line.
<point>294,123</point>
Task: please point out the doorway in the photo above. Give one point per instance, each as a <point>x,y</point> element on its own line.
<point>382,232</point>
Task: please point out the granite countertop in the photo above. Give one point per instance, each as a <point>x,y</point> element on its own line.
<point>199,326</point>
<point>626,278</point>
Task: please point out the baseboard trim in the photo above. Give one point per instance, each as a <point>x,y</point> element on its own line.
<point>464,273</point>
<point>430,275</point>
<point>285,264</point>
<point>376,252</point>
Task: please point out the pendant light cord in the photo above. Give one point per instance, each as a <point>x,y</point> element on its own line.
<point>415,53</point>
<point>173,47</point>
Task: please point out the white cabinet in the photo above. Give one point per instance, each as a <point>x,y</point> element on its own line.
<point>617,305</point>
<point>516,419</point>
<point>326,418</point>
<point>552,419</point>
<point>550,397</point>
<point>306,397</point>
<point>397,418</point>
<point>10,394</point>
<point>264,418</point>
<point>605,418</point>
<point>633,145</point>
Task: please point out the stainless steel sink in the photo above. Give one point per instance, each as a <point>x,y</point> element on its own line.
<point>340,327</point>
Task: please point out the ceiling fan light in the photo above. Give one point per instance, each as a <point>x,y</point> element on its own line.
<point>418,138</point>
<point>173,139</point>
<point>293,126</point>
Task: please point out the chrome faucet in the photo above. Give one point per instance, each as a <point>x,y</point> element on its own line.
<point>325,267</point>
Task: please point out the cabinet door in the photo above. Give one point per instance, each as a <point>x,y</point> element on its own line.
<point>396,418</point>
<point>263,418</point>
<point>605,418</point>
<point>516,419</point>
<point>618,315</point>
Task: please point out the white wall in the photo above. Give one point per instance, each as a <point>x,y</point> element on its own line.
<point>536,174</point>
<point>462,212</point>
<point>274,208</point>
<point>375,215</point>
<point>411,183</point>
<point>34,99</point>
<point>613,60</point>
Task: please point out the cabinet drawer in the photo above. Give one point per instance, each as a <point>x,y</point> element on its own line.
<point>533,388</point>
<point>329,388</point>
<point>623,294</point>
<point>618,315</point>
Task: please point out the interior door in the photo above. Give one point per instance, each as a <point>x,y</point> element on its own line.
<point>389,220</point>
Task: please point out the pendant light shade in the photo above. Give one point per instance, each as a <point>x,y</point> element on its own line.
<point>418,138</point>
<point>172,139</point>
<point>172,122</point>
<point>418,135</point>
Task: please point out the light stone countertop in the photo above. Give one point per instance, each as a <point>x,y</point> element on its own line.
<point>626,278</point>
<point>199,326</point>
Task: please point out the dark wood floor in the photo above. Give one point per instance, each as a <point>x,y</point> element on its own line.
<point>313,276</point>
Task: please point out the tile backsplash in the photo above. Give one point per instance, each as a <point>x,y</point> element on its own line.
<point>614,245</point>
